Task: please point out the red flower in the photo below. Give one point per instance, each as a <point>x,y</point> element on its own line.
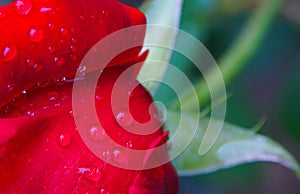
<point>42,43</point>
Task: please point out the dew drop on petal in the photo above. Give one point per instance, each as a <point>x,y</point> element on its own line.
<point>57,105</point>
<point>9,53</point>
<point>30,113</point>
<point>10,87</point>
<point>22,7</point>
<point>51,49</point>
<point>2,14</point>
<point>53,95</point>
<point>82,18</point>
<point>73,40</point>
<point>120,156</point>
<point>92,173</point>
<point>29,62</point>
<point>20,99</point>
<point>98,98</point>
<point>36,34</point>
<point>47,10</point>
<point>124,118</point>
<point>71,113</point>
<point>96,132</point>
<point>64,139</point>
<point>58,61</point>
<point>51,26</point>
<point>128,144</point>
<point>37,67</point>
<point>73,48</point>
<point>74,57</point>
<point>64,31</point>
<point>105,12</point>
<point>60,81</point>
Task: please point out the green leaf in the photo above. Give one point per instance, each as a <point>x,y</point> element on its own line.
<point>163,13</point>
<point>234,146</point>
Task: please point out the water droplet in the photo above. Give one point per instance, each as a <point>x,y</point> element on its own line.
<point>53,96</point>
<point>73,48</point>
<point>2,14</point>
<point>73,40</point>
<point>29,62</point>
<point>96,132</point>
<point>58,61</point>
<point>64,31</point>
<point>106,154</point>
<point>102,191</point>
<point>124,118</point>
<point>128,144</point>
<point>82,70</point>
<point>60,81</point>
<point>9,53</point>
<point>98,98</point>
<point>74,57</point>
<point>120,156</point>
<point>71,113</point>
<point>36,34</point>
<point>105,12</point>
<point>93,173</point>
<point>20,99</point>
<point>51,26</point>
<point>30,113</point>
<point>47,10</point>
<point>83,18</point>
<point>22,7</point>
<point>10,87</point>
<point>37,67</point>
<point>42,84</point>
<point>57,105</point>
<point>64,139</point>
<point>51,49</point>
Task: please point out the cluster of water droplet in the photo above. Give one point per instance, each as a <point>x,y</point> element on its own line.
<point>36,34</point>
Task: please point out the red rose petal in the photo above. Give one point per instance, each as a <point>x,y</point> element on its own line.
<point>40,149</point>
<point>42,40</point>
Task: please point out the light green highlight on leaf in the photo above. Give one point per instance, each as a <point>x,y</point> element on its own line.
<point>168,13</point>
<point>234,146</point>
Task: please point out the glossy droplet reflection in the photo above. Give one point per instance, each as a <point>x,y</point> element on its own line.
<point>2,14</point>
<point>96,132</point>
<point>128,144</point>
<point>22,7</point>
<point>53,95</point>
<point>124,118</point>
<point>120,156</point>
<point>51,49</point>
<point>64,139</point>
<point>64,31</point>
<point>92,173</point>
<point>35,34</point>
<point>74,57</point>
<point>58,61</point>
<point>9,53</point>
<point>105,12</point>
<point>47,10</point>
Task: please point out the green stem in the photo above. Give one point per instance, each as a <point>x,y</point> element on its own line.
<point>242,50</point>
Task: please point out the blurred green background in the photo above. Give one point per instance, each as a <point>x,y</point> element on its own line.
<point>268,87</point>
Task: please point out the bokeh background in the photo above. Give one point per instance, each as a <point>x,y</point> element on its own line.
<point>268,87</point>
